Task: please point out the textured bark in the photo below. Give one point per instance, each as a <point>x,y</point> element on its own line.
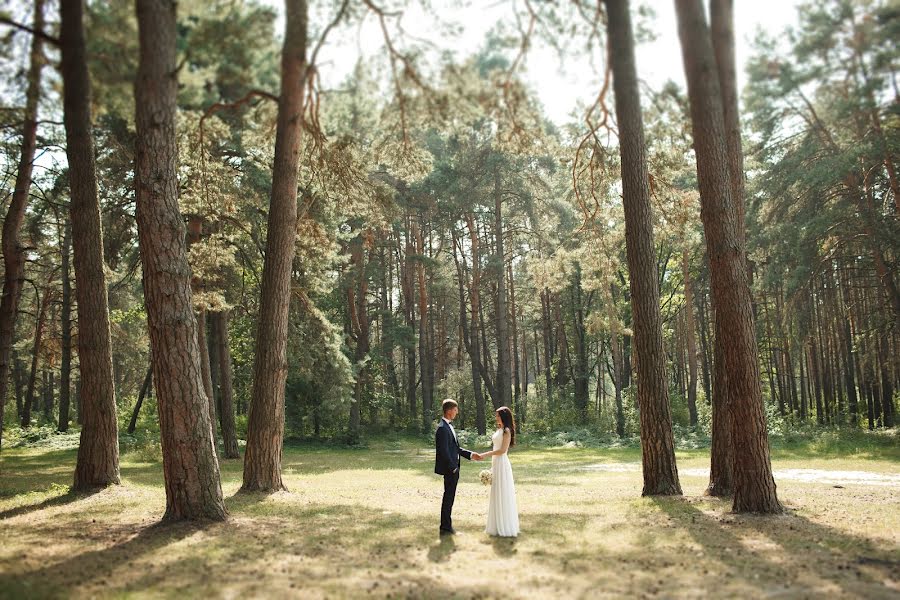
<point>226,385</point>
<point>13,250</point>
<point>754,486</point>
<point>98,452</point>
<point>657,443</point>
<point>265,427</point>
<point>190,466</point>
<point>721,470</point>
<point>546,336</point>
<point>65,326</point>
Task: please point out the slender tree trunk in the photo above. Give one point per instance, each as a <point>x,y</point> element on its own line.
<point>65,367</point>
<point>226,386</point>
<point>145,387</point>
<point>503,380</point>
<point>582,373</point>
<point>517,381</point>
<point>13,250</point>
<point>689,327</point>
<point>548,345</point>
<point>754,486</point>
<point>190,467</point>
<point>265,427</point>
<point>30,397</point>
<point>657,442</point>
<point>426,358</point>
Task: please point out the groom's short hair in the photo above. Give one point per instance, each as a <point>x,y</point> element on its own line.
<point>448,404</point>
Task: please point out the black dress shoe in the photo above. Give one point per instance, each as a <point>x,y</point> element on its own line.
<point>448,532</point>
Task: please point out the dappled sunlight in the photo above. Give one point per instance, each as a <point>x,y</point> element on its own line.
<point>364,522</point>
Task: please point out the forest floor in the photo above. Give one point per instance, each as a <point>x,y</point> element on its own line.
<point>363,523</point>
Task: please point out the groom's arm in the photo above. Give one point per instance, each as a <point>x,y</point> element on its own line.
<point>465,453</point>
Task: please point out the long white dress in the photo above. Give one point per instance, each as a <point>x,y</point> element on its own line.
<point>503,514</point>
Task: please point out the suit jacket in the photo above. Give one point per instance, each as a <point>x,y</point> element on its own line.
<point>447,450</point>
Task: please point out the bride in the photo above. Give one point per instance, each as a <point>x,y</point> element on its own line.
<point>503,515</point>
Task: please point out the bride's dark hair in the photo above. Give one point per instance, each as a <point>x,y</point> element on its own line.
<point>506,417</point>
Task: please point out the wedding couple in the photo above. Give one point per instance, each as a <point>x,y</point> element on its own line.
<point>503,515</point>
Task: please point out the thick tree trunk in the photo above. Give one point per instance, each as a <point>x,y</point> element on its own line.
<point>754,486</point>
<point>65,322</point>
<point>190,466</point>
<point>226,386</point>
<point>265,427</point>
<point>657,442</point>
<point>98,453</point>
<point>13,250</point>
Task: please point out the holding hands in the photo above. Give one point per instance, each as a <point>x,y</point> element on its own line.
<point>476,456</point>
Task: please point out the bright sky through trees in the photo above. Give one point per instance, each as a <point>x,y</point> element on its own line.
<point>561,85</point>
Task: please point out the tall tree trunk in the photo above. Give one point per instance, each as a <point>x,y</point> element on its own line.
<point>409,305</point>
<point>357,290</point>
<point>426,358</point>
<point>470,329</point>
<point>30,397</point>
<point>754,486</point>
<point>190,467</point>
<point>65,367</point>
<point>13,250</point>
<point>514,334</point>
<point>657,442</point>
<point>265,426</point>
<point>98,453</point>
<point>226,386</point>
<point>548,344</point>
<point>504,379</point>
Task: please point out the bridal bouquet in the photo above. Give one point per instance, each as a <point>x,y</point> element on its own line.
<point>486,477</point>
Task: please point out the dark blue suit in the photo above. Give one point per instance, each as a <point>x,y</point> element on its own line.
<point>446,463</point>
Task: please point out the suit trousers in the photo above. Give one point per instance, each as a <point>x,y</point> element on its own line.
<point>450,482</point>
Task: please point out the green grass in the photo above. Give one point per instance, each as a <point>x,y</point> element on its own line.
<point>363,522</point>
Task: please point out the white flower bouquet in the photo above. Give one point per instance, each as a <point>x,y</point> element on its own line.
<point>486,477</point>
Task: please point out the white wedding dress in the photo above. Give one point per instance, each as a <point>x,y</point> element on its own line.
<point>503,514</point>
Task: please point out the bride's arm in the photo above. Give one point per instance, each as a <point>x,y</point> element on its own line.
<point>503,447</point>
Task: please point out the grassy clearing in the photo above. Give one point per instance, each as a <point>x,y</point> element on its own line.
<point>360,522</point>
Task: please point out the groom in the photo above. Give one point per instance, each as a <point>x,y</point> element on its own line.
<point>446,462</point>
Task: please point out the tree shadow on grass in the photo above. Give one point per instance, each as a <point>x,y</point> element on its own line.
<point>787,551</point>
<point>57,500</point>
<point>56,580</point>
